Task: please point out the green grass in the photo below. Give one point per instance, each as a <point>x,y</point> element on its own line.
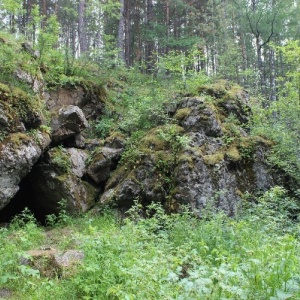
<point>162,257</point>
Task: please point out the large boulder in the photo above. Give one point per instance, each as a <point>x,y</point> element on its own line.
<point>102,163</point>
<point>52,263</point>
<point>57,178</point>
<point>207,160</point>
<point>18,153</point>
<point>67,122</point>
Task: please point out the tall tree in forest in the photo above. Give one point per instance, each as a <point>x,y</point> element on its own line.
<point>82,27</point>
<point>265,21</point>
<point>149,43</point>
<point>121,45</point>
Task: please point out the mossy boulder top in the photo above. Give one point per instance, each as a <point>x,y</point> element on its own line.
<point>207,157</point>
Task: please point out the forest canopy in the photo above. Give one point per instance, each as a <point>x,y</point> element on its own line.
<point>246,41</point>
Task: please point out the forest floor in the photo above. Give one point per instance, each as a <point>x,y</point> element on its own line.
<point>254,256</point>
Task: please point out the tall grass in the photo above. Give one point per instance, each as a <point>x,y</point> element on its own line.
<point>160,257</point>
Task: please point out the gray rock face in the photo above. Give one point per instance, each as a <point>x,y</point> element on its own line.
<point>219,184</point>
<point>36,81</point>
<point>201,118</point>
<point>4,120</point>
<point>102,164</point>
<point>58,177</point>
<point>68,122</point>
<point>18,154</point>
<point>64,97</point>
<point>77,158</point>
<point>91,100</point>
<point>217,165</point>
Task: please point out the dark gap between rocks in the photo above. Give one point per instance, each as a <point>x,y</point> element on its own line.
<point>24,198</point>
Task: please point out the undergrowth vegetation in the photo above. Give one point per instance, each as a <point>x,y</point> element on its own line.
<point>152,255</point>
<point>140,101</point>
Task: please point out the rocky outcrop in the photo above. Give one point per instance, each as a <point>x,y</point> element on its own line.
<point>204,158</point>
<point>207,160</point>
<point>52,263</point>
<point>60,173</point>
<point>46,178</point>
<point>23,138</point>
<point>67,122</point>
<point>64,97</point>
<point>18,153</point>
<point>57,178</point>
<point>86,95</point>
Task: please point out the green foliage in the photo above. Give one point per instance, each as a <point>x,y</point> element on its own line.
<point>25,218</point>
<point>180,65</point>
<point>280,123</point>
<point>276,210</point>
<point>61,159</point>
<point>104,125</point>
<point>9,57</point>
<point>136,102</point>
<point>172,134</point>
<point>22,235</point>
<point>153,255</point>
<point>62,219</point>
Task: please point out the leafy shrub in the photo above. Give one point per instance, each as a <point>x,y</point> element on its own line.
<point>62,219</point>
<point>276,210</point>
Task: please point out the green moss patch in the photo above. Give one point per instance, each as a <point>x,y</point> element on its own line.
<point>60,159</point>
<point>213,159</point>
<point>18,103</point>
<point>233,154</point>
<point>220,89</point>
<point>182,113</point>
<point>19,138</point>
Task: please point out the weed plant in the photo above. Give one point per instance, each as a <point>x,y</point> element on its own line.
<point>152,255</point>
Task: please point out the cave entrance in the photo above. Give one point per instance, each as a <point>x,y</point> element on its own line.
<point>23,198</point>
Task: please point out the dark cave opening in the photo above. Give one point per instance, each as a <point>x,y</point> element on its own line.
<point>24,198</point>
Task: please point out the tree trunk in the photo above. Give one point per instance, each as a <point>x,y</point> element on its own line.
<point>167,24</point>
<point>272,76</point>
<point>81,27</point>
<point>260,66</point>
<point>44,13</point>
<point>121,32</point>
<point>149,43</point>
<point>127,37</point>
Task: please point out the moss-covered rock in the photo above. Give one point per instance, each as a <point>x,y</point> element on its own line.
<point>102,162</point>
<point>202,161</point>
<point>182,113</point>
<point>59,177</point>
<point>19,110</point>
<point>233,154</point>
<point>229,98</point>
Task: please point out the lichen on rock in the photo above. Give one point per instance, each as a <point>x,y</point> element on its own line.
<point>216,164</point>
